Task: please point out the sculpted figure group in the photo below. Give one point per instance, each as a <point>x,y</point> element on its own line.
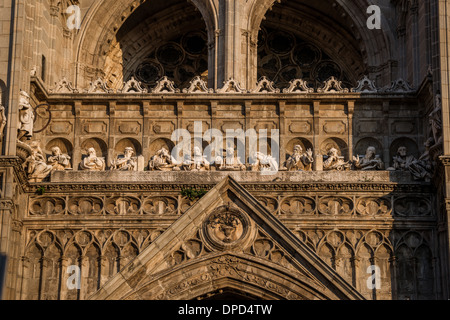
<point>38,167</point>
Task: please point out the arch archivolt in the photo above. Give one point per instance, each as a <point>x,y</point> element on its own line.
<point>244,273</point>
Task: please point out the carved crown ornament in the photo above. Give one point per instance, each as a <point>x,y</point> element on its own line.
<point>226,228</point>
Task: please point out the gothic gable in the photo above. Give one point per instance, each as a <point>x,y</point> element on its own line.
<point>227,240</point>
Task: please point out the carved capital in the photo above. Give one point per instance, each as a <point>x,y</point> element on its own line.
<point>6,204</point>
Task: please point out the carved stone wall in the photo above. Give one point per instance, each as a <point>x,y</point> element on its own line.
<point>386,224</point>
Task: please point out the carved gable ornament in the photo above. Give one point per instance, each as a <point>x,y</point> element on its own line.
<point>332,85</point>
<point>365,85</point>
<point>197,85</point>
<point>164,85</point>
<point>227,238</point>
<point>298,86</point>
<point>265,86</point>
<point>63,86</point>
<point>132,86</point>
<point>231,86</point>
<point>98,86</point>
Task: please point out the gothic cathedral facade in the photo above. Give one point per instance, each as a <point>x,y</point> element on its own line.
<point>206,149</point>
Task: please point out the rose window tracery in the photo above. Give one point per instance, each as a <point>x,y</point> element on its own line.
<point>283,57</point>
<point>180,60</point>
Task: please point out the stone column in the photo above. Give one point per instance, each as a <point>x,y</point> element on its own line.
<point>444,44</point>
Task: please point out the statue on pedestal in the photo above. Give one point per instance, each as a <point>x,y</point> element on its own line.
<point>300,161</point>
<point>92,162</point>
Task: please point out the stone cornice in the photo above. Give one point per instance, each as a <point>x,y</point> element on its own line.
<point>44,94</point>
<point>252,187</point>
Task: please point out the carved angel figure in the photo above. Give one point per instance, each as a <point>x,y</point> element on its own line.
<point>370,161</point>
<point>163,161</point>
<point>230,163</point>
<point>26,117</point>
<point>126,162</point>
<point>92,162</point>
<point>35,164</point>
<point>198,162</point>
<point>335,162</point>
<point>300,161</point>
<point>58,160</point>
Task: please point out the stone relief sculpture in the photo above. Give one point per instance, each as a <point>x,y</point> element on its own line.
<point>299,160</point>
<point>26,117</point>
<point>58,160</point>
<point>335,162</point>
<point>198,162</point>
<point>126,162</point>
<point>163,161</point>
<point>370,161</point>
<point>92,162</point>
<point>36,165</point>
<point>230,162</point>
<point>264,162</point>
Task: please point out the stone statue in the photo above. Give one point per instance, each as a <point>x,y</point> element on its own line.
<point>264,162</point>
<point>422,168</point>
<point>58,160</point>
<point>198,162</point>
<point>402,161</point>
<point>435,120</point>
<point>300,161</point>
<point>230,163</point>
<point>370,161</point>
<point>35,164</point>
<point>92,162</point>
<point>2,119</point>
<point>335,162</point>
<point>26,117</point>
<point>126,162</point>
<point>163,161</point>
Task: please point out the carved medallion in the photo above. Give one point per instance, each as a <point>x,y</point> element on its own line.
<point>226,228</point>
